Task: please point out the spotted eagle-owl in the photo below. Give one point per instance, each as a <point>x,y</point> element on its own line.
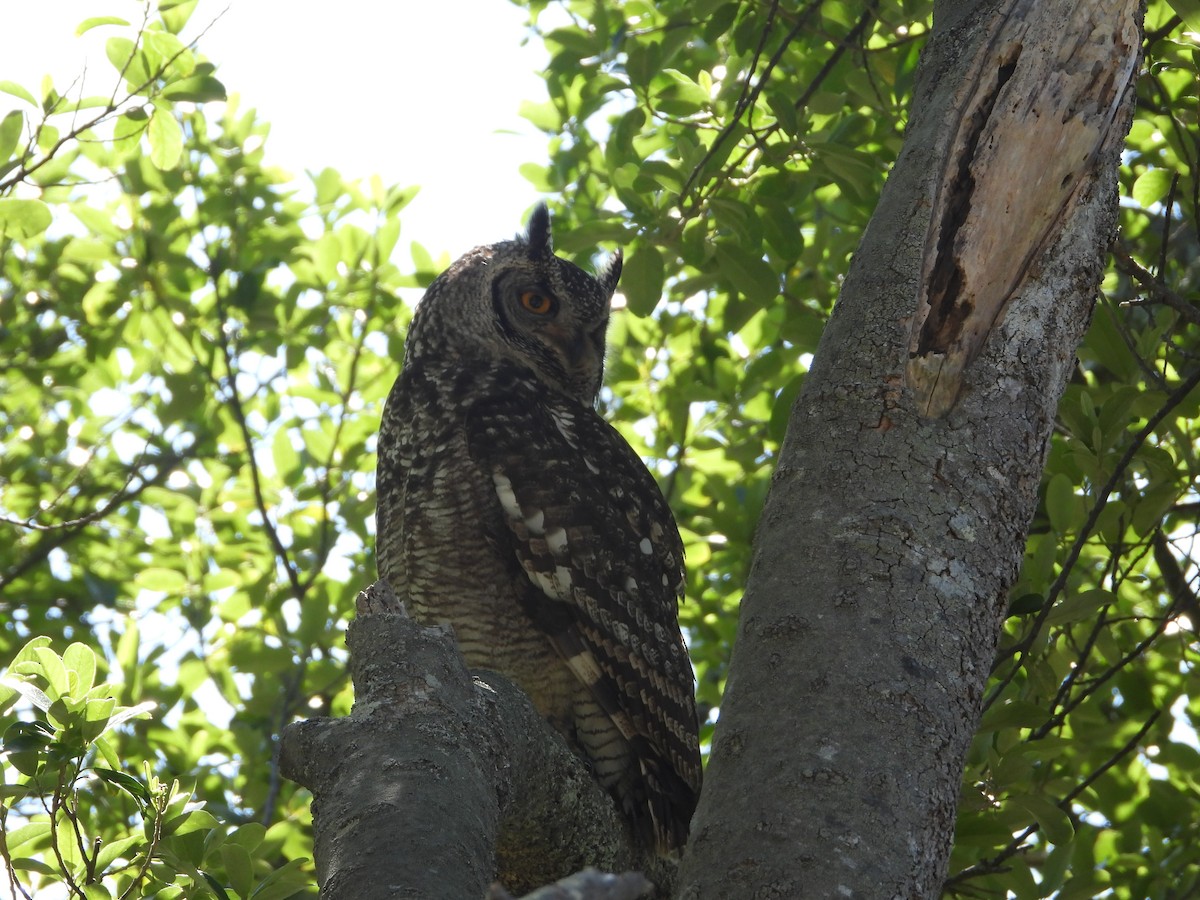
<point>511,510</point>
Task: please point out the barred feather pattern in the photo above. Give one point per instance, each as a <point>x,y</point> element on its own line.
<point>508,508</point>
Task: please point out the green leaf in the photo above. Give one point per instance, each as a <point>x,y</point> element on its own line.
<point>249,835</point>
<point>642,279</point>
<point>96,892</point>
<point>80,660</point>
<point>157,578</point>
<point>217,887</point>
<point>15,90</point>
<point>106,753</point>
<point>1026,605</point>
<point>1189,11</point>
<point>398,198</point>
<point>95,22</point>
<point>1063,506</point>
<point>284,882</point>
<point>681,94</point>
<point>1013,714</point>
<point>239,868</point>
<point>54,672</point>
<point>175,13</point>
<point>30,692</point>
<point>166,139</point>
<point>782,231</point>
<point>24,834</point>
<point>25,744</point>
<point>198,89</point>
<point>10,134</point>
<point>1055,824</point>
<point>143,710</point>
<point>1152,186</point>
<point>188,822</point>
<point>1152,507</point>
<point>120,51</point>
<point>96,716</point>
<point>747,273</point>
<point>110,852</point>
<point>36,865</point>
<point>163,46</point>
<point>543,116</point>
<point>127,783</point>
<point>23,218</point>
<point>128,129</point>
<point>1080,607</point>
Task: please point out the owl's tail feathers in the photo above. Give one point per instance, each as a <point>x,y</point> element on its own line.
<point>671,802</point>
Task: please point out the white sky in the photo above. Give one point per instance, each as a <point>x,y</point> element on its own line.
<point>416,92</point>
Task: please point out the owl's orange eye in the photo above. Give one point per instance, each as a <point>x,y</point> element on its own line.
<point>536,303</point>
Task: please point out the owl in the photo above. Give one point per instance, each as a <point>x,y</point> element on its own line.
<point>509,509</point>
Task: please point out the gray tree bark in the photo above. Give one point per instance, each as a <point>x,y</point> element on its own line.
<point>889,540</point>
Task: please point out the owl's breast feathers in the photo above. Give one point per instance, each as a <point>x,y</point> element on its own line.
<point>604,562</point>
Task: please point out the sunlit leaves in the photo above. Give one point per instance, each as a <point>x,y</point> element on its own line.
<point>1152,186</point>
<point>128,330</point>
<point>51,785</point>
<point>16,90</point>
<point>10,134</point>
<point>23,218</point>
<point>642,279</point>
<point>198,89</point>
<point>1189,11</point>
<point>96,21</point>
<point>166,139</point>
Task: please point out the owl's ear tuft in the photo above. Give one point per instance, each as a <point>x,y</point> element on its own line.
<point>538,234</point>
<point>611,273</point>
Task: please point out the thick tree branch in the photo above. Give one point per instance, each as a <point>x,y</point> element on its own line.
<point>440,780</point>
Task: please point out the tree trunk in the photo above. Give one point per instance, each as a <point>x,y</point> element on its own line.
<point>894,528</point>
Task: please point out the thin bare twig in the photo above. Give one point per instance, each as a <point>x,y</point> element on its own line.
<point>23,171</point>
<point>747,100</point>
<point>61,534</point>
<point>996,863</point>
<point>1154,285</point>
<point>1022,647</point>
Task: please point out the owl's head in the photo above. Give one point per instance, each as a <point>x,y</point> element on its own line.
<point>518,301</point>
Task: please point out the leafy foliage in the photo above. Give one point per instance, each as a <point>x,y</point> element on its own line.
<point>188,395</point>
<point>102,831</point>
<point>193,359</point>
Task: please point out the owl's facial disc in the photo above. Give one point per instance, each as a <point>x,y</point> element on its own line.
<point>571,345</point>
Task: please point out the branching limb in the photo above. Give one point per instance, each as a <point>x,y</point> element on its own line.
<point>428,742</point>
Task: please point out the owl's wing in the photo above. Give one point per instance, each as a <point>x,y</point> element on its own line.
<point>590,528</point>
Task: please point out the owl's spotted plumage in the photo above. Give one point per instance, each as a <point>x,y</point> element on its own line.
<point>509,509</point>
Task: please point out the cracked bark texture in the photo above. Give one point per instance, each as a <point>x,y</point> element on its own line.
<point>889,541</point>
<point>441,780</point>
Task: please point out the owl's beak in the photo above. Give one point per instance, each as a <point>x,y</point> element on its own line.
<point>582,357</point>
<point>587,356</point>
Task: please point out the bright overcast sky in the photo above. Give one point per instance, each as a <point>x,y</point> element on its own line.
<point>417,92</point>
